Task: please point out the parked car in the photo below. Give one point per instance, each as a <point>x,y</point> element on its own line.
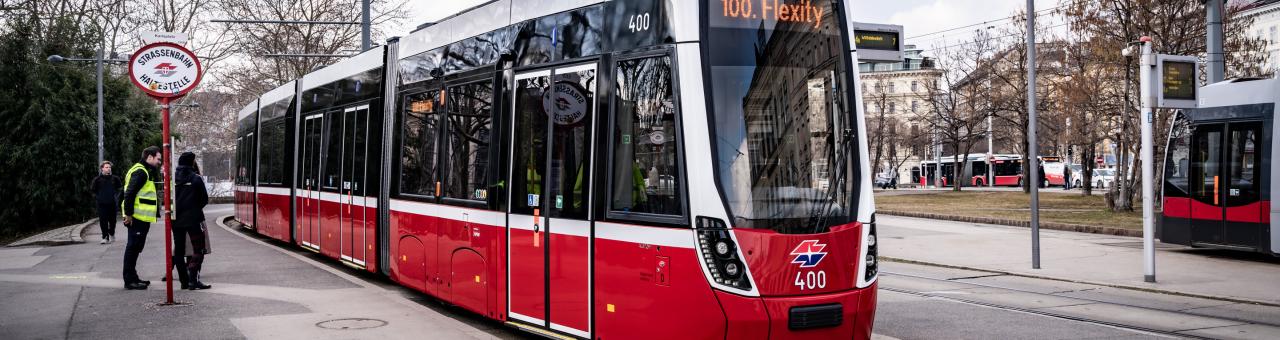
<point>1102,178</point>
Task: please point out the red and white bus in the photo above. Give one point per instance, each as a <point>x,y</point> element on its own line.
<point>1006,170</point>
<point>627,169</point>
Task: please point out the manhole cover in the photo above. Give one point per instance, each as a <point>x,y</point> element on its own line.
<point>351,323</point>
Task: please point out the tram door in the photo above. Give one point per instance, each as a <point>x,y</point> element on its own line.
<point>354,233</point>
<point>1225,184</point>
<point>550,229</point>
<point>309,208</point>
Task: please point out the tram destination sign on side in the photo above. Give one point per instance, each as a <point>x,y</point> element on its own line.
<point>165,70</point>
<point>1177,79</point>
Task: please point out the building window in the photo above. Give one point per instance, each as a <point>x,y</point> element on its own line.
<point>915,106</point>
<point>893,107</point>
<point>879,87</point>
<point>1274,38</point>
<point>891,90</point>
<point>915,86</point>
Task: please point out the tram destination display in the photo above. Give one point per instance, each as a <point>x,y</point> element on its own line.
<point>874,40</point>
<point>1178,80</point>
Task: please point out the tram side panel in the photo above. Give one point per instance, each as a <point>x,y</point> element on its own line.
<point>275,169</point>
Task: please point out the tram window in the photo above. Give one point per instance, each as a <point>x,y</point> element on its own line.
<point>1243,172</point>
<point>572,112</point>
<point>272,170</point>
<point>469,129</point>
<point>1205,173</point>
<point>333,150</point>
<point>529,155</point>
<point>418,152</point>
<point>1178,160</point>
<point>645,173</point>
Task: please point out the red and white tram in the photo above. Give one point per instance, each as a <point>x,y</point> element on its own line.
<point>589,169</point>
<point>1219,172</point>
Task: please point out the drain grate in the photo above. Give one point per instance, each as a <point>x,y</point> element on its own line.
<point>351,323</point>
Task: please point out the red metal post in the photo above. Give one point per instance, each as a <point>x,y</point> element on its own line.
<point>168,212</point>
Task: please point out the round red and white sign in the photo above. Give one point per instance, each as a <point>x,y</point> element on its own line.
<point>165,70</point>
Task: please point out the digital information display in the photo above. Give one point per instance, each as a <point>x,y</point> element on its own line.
<point>1178,80</point>
<point>794,11</point>
<point>873,40</point>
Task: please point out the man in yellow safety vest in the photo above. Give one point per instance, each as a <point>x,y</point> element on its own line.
<point>140,209</point>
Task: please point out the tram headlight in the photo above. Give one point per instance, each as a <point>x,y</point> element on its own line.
<point>869,259</point>
<point>722,248</point>
<point>732,269</point>
<point>720,254</point>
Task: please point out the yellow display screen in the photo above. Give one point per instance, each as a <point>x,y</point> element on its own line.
<point>1178,80</point>
<point>873,40</point>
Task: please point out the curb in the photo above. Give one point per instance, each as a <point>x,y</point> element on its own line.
<point>1103,284</point>
<point>74,234</point>
<point>77,233</point>
<point>1017,223</point>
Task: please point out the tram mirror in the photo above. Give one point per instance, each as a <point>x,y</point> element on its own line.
<point>1177,79</point>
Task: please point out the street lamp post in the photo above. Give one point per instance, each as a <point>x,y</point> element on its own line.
<point>98,61</point>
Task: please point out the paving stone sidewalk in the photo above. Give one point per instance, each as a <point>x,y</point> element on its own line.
<point>65,235</point>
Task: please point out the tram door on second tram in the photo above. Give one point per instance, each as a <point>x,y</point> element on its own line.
<point>1226,184</point>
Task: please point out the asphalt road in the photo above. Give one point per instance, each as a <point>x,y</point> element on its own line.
<point>265,289</point>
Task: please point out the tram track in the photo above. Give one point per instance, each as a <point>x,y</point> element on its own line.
<point>1043,312</point>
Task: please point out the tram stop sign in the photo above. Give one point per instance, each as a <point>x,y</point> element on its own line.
<point>165,70</point>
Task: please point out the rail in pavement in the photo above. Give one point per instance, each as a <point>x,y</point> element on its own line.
<point>1106,260</point>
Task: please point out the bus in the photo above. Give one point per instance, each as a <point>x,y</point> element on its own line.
<point>1005,169</point>
<point>1217,170</point>
<point>589,169</point>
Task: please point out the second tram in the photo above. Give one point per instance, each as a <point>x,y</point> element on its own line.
<point>1219,172</point>
<point>626,169</point>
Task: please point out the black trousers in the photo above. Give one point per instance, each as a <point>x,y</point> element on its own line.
<point>137,240</point>
<point>107,219</point>
<point>188,269</point>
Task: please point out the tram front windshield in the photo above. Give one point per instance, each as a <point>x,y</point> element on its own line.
<point>778,73</point>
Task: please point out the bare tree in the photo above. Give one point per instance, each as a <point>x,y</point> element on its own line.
<point>1175,26</point>
<point>958,105</point>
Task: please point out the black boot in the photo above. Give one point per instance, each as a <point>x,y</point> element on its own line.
<point>195,282</point>
<point>181,267</point>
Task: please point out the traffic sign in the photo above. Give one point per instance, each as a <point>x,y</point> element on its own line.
<point>165,70</point>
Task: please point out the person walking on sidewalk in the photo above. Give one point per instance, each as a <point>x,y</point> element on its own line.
<point>106,191</point>
<point>140,210</point>
<point>192,197</point>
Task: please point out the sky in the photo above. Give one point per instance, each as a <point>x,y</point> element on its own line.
<point>918,17</point>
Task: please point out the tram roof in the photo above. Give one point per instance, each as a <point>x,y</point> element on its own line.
<point>480,19</point>
<point>281,92</point>
<point>360,63</point>
<point>1234,92</point>
<point>248,109</point>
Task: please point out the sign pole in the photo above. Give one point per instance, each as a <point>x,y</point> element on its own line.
<point>1147,68</point>
<point>166,71</point>
<point>168,211</point>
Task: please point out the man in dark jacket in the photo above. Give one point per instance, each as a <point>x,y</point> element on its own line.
<point>189,207</point>
<point>106,191</point>
<point>140,208</point>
